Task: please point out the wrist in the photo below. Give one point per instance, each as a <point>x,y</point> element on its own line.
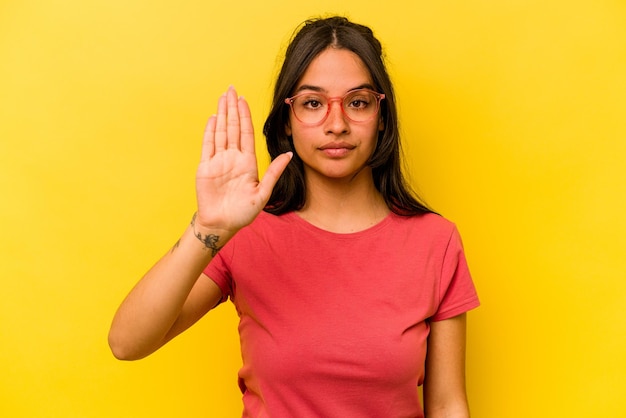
<point>211,238</point>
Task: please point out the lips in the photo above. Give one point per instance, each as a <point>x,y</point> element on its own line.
<point>337,149</point>
<point>337,145</point>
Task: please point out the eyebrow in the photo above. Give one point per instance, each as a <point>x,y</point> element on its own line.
<point>321,90</point>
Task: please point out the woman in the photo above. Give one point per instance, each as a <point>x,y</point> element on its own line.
<point>341,278</point>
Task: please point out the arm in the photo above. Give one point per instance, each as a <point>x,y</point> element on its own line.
<point>444,385</point>
<point>174,293</point>
<point>167,300</point>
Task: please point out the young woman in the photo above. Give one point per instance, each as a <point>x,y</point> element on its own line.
<point>350,292</point>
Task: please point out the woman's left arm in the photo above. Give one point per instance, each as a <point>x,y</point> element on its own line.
<point>444,384</point>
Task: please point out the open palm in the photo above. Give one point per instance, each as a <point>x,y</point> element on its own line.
<point>228,189</point>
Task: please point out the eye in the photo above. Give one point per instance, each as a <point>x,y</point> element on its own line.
<point>312,103</point>
<point>358,103</point>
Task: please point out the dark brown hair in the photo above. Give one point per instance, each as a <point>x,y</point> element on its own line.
<point>315,36</point>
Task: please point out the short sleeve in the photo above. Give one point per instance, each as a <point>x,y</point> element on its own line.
<point>457,293</point>
<point>219,271</point>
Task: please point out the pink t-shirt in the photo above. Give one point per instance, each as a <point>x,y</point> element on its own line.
<point>335,325</point>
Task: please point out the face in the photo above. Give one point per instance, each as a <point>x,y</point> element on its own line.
<point>337,148</point>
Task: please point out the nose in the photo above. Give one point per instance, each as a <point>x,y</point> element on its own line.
<point>336,121</point>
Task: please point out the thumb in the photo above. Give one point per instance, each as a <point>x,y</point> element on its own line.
<point>273,173</point>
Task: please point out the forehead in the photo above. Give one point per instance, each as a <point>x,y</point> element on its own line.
<point>336,71</point>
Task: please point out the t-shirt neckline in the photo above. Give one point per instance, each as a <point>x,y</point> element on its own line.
<point>374,229</point>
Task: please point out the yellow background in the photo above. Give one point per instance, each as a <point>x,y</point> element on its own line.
<point>514,117</point>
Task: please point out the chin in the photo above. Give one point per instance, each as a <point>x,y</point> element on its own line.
<point>345,173</point>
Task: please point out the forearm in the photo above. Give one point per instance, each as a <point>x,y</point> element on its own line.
<point>449,403</point>
<point>144,319</point>
<point>445,395</point>
<point>459,410</point>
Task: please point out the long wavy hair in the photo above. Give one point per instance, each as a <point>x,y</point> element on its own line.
<point>313,37</point>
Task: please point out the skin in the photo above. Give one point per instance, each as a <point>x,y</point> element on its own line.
<point>174,293</point>
<point>335,152</point>
<point>341,198</point>
<point>335,72</point>
<point>445,395</point>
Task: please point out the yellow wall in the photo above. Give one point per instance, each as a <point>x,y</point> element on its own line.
<point>514,119</point>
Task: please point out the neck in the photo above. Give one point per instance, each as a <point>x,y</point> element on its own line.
<point>344,205</point>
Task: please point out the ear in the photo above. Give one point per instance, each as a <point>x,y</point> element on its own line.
<point>288,128</point>
<point>381,124</point>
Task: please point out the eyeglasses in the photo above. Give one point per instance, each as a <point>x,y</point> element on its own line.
<point>312,108</point>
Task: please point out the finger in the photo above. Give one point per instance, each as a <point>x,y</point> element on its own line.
<point>273,173</point>
<point>208,141</point>
<point>220,124</point>
<point>232,126</point>
<point>247,129</point>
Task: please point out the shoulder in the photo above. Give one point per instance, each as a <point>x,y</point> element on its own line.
<point>427,231</point>
<point>425,224</point>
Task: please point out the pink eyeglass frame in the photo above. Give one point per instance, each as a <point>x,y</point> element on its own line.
<point>379,97</point>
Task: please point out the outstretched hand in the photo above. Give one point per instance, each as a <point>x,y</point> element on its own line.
<point>228,189</point>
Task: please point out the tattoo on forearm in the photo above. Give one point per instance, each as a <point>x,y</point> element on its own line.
<point>210,240</point>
